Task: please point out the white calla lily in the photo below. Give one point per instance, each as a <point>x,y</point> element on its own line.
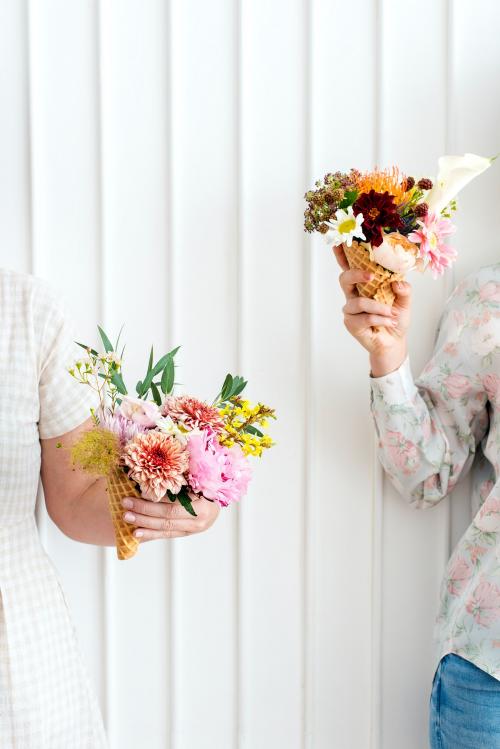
<point>454,173</point>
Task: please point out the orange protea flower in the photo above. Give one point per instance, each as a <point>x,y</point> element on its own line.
<point>382,180</point>
<point>157,462</point>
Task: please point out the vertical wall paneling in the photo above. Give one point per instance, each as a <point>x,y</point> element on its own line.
<point>65,232</point>
<point>272,261</point>
<point>205,242</point>
<point>134,78</point>
<point>14,137</point>
<point>153,165</point>
<point>341,456</point>
<point>413,134</point>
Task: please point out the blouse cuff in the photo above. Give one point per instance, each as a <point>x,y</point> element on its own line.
<point>397,386</point>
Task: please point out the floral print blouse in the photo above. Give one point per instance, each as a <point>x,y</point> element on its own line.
<point>435,428</point>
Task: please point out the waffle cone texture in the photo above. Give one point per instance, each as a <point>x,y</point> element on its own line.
<point>119,486</point>
<point>379,287</point>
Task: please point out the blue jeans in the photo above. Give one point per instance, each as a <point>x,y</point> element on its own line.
<point>464,706</point>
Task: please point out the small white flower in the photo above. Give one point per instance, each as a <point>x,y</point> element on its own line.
<point>168,426</point>
<point>345,227</point>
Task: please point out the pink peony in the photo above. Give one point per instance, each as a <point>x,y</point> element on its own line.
<point>456,385</point>
<point>219,473</point>
<point>433,249</point>
<point>484,603</point>
<point>459,573</point>
<point>141,412</point>
<point>158,463</point>
<point>193,413</point>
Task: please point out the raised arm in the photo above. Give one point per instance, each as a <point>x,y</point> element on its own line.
<point>428,429</point>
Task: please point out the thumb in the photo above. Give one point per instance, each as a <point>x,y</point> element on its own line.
<point>402,290</point>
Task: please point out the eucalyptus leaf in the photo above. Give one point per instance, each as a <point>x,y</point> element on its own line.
<point>168,376</point>
<point>253,430</point>
<point>118,382</point>
<point>87,348</point>
<point>226,388</point>
<point>108,346</point>
<point>156,394</point>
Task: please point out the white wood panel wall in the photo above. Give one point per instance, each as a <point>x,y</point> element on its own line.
<point>160,151</point>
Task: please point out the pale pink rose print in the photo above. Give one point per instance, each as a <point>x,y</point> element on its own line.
<point>403,452</point>
<point>490,292</point>
<point>488,517</point>
<point>491,384</point>
<point>458,575</point>
<point>476,552</point>
<point>484,604</point>
<point>457,385</point>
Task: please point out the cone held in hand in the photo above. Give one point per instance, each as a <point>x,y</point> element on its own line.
<point>120,486</point>
<point>379,287</point>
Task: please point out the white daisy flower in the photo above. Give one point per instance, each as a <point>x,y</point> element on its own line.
<point>345,227</point>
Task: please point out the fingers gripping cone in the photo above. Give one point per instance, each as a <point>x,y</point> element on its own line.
<point>119,486</point>
<point>379,287</point>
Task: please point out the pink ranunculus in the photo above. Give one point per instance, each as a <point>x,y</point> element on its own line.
<point>484,603</point>
<point>490,292</point>
<point>488,516</point>
<point>491,383</point>
<point>141,412</point>
<point>459,573</point>
<point>457,385</point>
<point>219,473</point>
<point>403,452</point>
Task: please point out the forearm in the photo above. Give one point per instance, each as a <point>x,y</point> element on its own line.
<point>424,443</point>
<point>87,518</point>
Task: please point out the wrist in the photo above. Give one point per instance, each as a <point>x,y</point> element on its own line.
<point>387,362</point>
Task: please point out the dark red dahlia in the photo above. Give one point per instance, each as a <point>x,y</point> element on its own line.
<point>379,212</point>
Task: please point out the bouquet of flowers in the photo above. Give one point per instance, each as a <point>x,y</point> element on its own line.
<point>389,223</point>
<point>170,447</point>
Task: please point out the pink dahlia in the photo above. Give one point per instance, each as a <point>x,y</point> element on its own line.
<point>219,473</point>
<point>157,462</point>
<point>192,413</point>
<point>431,237</point>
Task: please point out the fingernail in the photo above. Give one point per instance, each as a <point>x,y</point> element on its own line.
<point>128,503</point>
<point>394,323</point>
<point>138,534</point>
<point>129,517</point>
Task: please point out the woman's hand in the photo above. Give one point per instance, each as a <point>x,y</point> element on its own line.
<point>387,344</point>
<point>168,519</point>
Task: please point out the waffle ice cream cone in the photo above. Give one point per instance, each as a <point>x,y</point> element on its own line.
<point>119,486</point>
<point>379,287</point>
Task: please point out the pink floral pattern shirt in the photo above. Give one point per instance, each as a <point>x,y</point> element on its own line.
<point>435,428</point>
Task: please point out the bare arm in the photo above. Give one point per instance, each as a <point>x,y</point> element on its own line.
<point>78,503</point>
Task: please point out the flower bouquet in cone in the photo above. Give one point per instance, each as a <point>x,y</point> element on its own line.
<point>167,447</point>
<point>388,223</point>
